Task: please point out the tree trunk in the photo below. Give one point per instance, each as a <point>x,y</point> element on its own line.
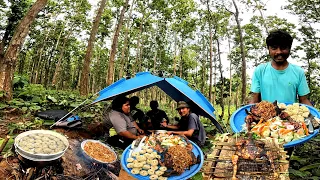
<point>55,48</point>
<point>211,43</point>
<point>262,17</point>
<point>181,59</point>
<point>222,80</point>
<point>175,54</point>
<point>114,46</point>
<point>8,62</point>
<point>154,68</point>
<point>243,56</point>
<point>38,77</point>
<point>230,83</point>
<point>125,44</point>
<point>87,60</point>
<point>140,55</point>
<point>214,77</point>
<point>138,48</point>
<point>57,71</point>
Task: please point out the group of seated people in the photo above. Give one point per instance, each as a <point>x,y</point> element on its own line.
<point>124,117</point>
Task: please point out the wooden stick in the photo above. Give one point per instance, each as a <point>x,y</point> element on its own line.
<point>31,171</point>
<point>4,143</point>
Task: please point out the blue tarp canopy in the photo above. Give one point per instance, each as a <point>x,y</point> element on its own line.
<point>174,87</point>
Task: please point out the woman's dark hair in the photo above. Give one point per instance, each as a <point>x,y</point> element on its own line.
<point>279,38</point>
<point>118,102</point>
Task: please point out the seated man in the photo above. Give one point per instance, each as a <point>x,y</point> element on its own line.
<point>189,125</point>
<point>156,116</point>
<point>119,118</point>
<point>136,113</point>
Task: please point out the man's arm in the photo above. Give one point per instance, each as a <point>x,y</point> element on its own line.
<point>164,124</point>
<point>128,135</point>
<point>137,127</point>
<point>186,133</point>
<point>256,98</point>
<point>304,100</point>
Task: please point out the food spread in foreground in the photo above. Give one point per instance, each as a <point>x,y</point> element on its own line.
<point>41,143</point>
<point>99,152</point>
<point>160,160</point>
<point>284,122</point>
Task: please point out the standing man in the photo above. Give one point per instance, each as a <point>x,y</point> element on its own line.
<point>156,116</point>
<point>189,125</point>
<point>279,80</point>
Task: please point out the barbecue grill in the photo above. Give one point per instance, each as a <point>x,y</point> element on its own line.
<point>218,164</point>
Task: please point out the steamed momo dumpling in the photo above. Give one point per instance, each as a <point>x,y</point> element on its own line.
<point>38,150</point>
<point>141,158</point>
<point>143,173</point>
<point>138,165</point>
<point>47,151</point>
<point>159,173</point>
<point>135,171</point>
<point>154,167</point>
<point>151,172</point>
<point>135,154</point>
<point>149,150</point>
<point>130,159</point>
<point>154,162</point>
<point>153,177</point>
<point>163,168</point>
<point>130,165</point>
<point>146,167</point>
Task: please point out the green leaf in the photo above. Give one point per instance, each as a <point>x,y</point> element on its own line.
<point>301,174</point>
<point>2,106</point>
<point>24,109</point>
<point>8,145</point>
<point>34,108</point>
<point>197,176</point>
<point>311,166</point>
<point>48,122</point>
<point>52,98</point>
<point>299,159</point>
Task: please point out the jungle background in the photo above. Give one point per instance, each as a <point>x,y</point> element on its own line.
<point>55,54</point>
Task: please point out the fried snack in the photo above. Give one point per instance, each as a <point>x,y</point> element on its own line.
<point>99,152</point>
<point>180,157</point>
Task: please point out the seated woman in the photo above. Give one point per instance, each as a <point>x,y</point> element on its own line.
<point>119,118</point>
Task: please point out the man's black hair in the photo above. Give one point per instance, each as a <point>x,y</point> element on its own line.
<point>154,103</point>
<point>118,102</point>
<point>279,38</point>
<point>134,100</point>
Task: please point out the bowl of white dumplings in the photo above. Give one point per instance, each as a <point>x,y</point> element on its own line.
<point>41,145</point>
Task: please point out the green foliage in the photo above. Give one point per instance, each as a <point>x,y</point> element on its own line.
<point>33,98</point>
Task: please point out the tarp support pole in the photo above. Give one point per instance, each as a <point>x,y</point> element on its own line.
<point>73,110</point>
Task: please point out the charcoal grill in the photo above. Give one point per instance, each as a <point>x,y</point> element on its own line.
<point>218,164</point>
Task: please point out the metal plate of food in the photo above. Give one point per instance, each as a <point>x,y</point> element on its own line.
<point>237,122</point>
<point>41,145</point>
<point>151,168</point>
<point>160,131</point>
<point>97,151</point>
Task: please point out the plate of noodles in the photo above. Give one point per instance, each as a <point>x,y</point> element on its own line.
<point>98,151</point>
